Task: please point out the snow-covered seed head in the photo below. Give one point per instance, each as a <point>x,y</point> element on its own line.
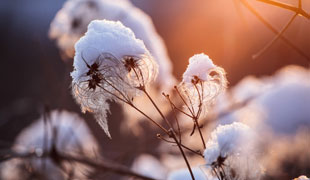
<point>231,151</point>
<point>71,21</point>
<point>202,82</point>
<point>109,64</point>
<point>226,140</point>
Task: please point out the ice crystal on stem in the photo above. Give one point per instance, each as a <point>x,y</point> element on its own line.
<point>202,82</point>
<point>110,64</point>
<point>230,153</point>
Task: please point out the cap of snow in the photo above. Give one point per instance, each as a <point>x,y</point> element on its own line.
<point>110,46</point>
<point>111,37</point>
<point>199,65</point>
<point>70,23</point>
<point>227,140</point>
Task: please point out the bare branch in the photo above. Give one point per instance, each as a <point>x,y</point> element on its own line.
<point>258,54</point>
<point>269,26</point>
<point>297,10</point>
<point>111,167</point>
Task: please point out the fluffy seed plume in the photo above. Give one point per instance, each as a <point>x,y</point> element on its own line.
<point>202,82</point>
<point>230,153</point>
<point>71,21</point>
<point>109,64</point>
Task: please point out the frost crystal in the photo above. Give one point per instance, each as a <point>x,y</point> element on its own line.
<point>202,82</point>
<point>72,20</point>
<point>109,64</point>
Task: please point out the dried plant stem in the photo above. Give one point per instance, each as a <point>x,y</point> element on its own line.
<point>195,119</point>
<point>193,151</point>
<point>200,133</point>
<point>269,26</point>
<point>171,133</point>
<point>185,147</point>
<point>258,54</point>
<point>111,167</point>
<point>183,154</point>
<point>149,118</point>
<point>297,10</point>
<point>180,95</point>
<point>133,106</point>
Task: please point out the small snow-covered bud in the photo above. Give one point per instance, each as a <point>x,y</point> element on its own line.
<point>109,64</point>
<point>199,66</point>
<point>202,82</point>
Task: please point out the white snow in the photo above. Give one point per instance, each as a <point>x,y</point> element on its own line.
<point>227,140</point>
<point>183,174</point>
<point>199,65</point>
<point>149,166</point>
<point>108,44</point>
<point>72,20</point>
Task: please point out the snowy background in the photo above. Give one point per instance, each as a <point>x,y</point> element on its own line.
<point>33,74</point>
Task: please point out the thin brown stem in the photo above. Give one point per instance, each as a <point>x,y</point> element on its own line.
<point>183,154</point>
<point>200,133</point>
<point>111,167</point>
<point>187,148</point>
<point>156,107</point>
<point>172,106</point>
<point>171,133</point>
<point>149,118</point>
<point>193,151</point>
<point>137,109</point>
<point>117,97</point>
<point>297,10</point>
<point>257,55</point>
<point>269,26</point>
<point>120,92</point>
<point>180,95</point>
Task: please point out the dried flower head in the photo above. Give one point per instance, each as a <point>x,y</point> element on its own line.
<point>230,153</point>
<point>110,64</point>
<point>72,20</point>
<point>202,82</point>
